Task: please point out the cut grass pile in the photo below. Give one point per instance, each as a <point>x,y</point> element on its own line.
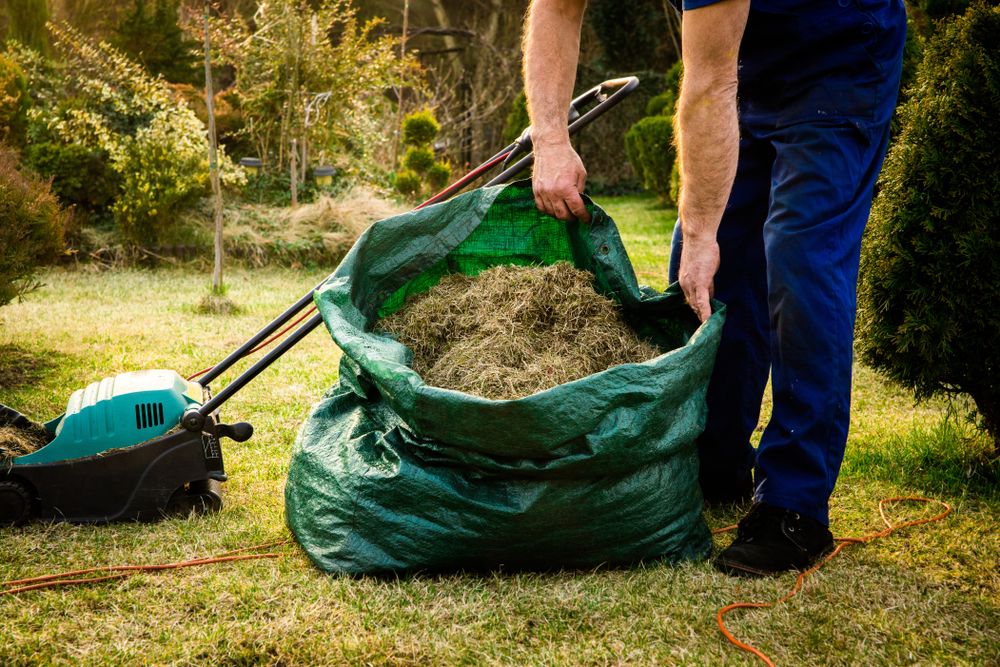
<point>16,442</point>
<point>512,331</point>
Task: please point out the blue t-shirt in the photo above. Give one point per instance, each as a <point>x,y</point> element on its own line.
<point>803,60</point>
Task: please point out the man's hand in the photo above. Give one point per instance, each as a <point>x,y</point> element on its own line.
<point>699,262</point>
<point>557,180</point>
<point>551,50</point>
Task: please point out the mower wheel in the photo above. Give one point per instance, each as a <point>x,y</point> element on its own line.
<point>202,496</point>
<point>15,503</point>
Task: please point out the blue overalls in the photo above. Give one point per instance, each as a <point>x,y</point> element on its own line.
<point>818,81</point>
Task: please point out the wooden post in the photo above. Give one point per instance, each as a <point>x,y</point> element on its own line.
<point>294,174</point>
<point>213,163</point>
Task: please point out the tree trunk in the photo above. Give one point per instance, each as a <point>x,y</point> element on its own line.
<point>294,175</point>
<point>988,407</point>
<point>399,91</point>
<point>213,163</point>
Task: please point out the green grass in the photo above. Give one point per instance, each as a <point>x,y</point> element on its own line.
<point>929,595</point>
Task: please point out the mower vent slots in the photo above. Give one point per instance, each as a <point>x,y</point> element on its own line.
<point>148,415</point>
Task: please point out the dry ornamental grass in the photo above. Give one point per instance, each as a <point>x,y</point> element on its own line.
<point>512,331</point>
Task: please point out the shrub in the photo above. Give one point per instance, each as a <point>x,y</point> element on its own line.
<point>439,175</point>
<point>81,176</point>
<point>665,103</point>
<point>662,104</point>
<point>420,128</point>
<point>649,145</point>
<point>14,101</point>
<point>517,118</point>
<point>407,182</point>
<point>418,159</point>
<point>31,227</point>
<point>930,274</point>
<point>154,144</point>
<point>675,183</point>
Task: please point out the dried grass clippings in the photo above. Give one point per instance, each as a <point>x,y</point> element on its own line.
<point>513,331</point>
<point>16,442</point>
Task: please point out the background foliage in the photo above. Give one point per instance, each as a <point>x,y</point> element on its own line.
<point>291,55</point>
<point>109,105</point>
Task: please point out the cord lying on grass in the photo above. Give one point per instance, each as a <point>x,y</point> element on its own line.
<point>512,331</point>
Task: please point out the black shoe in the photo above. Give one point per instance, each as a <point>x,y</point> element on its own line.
<point>718,492</point>
<point>771,540</point>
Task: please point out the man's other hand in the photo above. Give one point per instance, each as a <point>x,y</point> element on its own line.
<point>558,180</point>
<point>699,263</point>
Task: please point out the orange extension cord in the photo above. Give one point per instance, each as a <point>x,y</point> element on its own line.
<point>843,542</point>
<point>76,577</point>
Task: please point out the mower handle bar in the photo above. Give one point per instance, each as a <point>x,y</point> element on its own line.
<point>622,88</point>
<point>606,100</point>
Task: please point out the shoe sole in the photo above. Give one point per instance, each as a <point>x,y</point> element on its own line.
<point>735,569</point>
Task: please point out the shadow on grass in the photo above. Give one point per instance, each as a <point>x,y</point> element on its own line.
<point>945,459</point>
<point>21,367</point>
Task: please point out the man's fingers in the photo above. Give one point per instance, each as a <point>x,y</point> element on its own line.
<point>704,309</point>
<point>578,208</point>
<point>560,210</point>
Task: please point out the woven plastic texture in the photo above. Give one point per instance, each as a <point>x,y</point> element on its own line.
<point>391,474</point>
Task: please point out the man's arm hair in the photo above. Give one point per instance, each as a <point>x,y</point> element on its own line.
<point>551,52</point>
<point>707,124</point>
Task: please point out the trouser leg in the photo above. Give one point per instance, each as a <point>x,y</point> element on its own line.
<point>741,366</point>
<point>823,179</point>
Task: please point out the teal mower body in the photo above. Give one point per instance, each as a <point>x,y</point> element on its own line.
<point>117,412</point>
<point>133,446</point>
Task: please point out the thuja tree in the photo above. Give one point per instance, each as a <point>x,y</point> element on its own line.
<point>929,292</point>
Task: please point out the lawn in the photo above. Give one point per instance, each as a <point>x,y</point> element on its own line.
<point>928,595</point>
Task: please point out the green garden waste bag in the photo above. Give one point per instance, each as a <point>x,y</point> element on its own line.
<point>391,474</point>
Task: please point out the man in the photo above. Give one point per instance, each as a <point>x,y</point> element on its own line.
<point>783,122</point>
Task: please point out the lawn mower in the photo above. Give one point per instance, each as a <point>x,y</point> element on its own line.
<point>147,444</point>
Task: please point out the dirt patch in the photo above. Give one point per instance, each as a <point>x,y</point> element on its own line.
<point>513,331</point>
<point>217,304</point>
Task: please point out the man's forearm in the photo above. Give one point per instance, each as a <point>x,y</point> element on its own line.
<point>551,51</point>
<point>708,132</point>
<point>707,124</point>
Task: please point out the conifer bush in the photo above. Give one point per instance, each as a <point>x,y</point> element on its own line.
<point>407,182</point>
<point>649,146</point>
<point>419,131</point>
<point>439,175</point>
<point>929,290</point>
<point>517,118</point>
<point>419,158</point>
<point>420,128</point>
